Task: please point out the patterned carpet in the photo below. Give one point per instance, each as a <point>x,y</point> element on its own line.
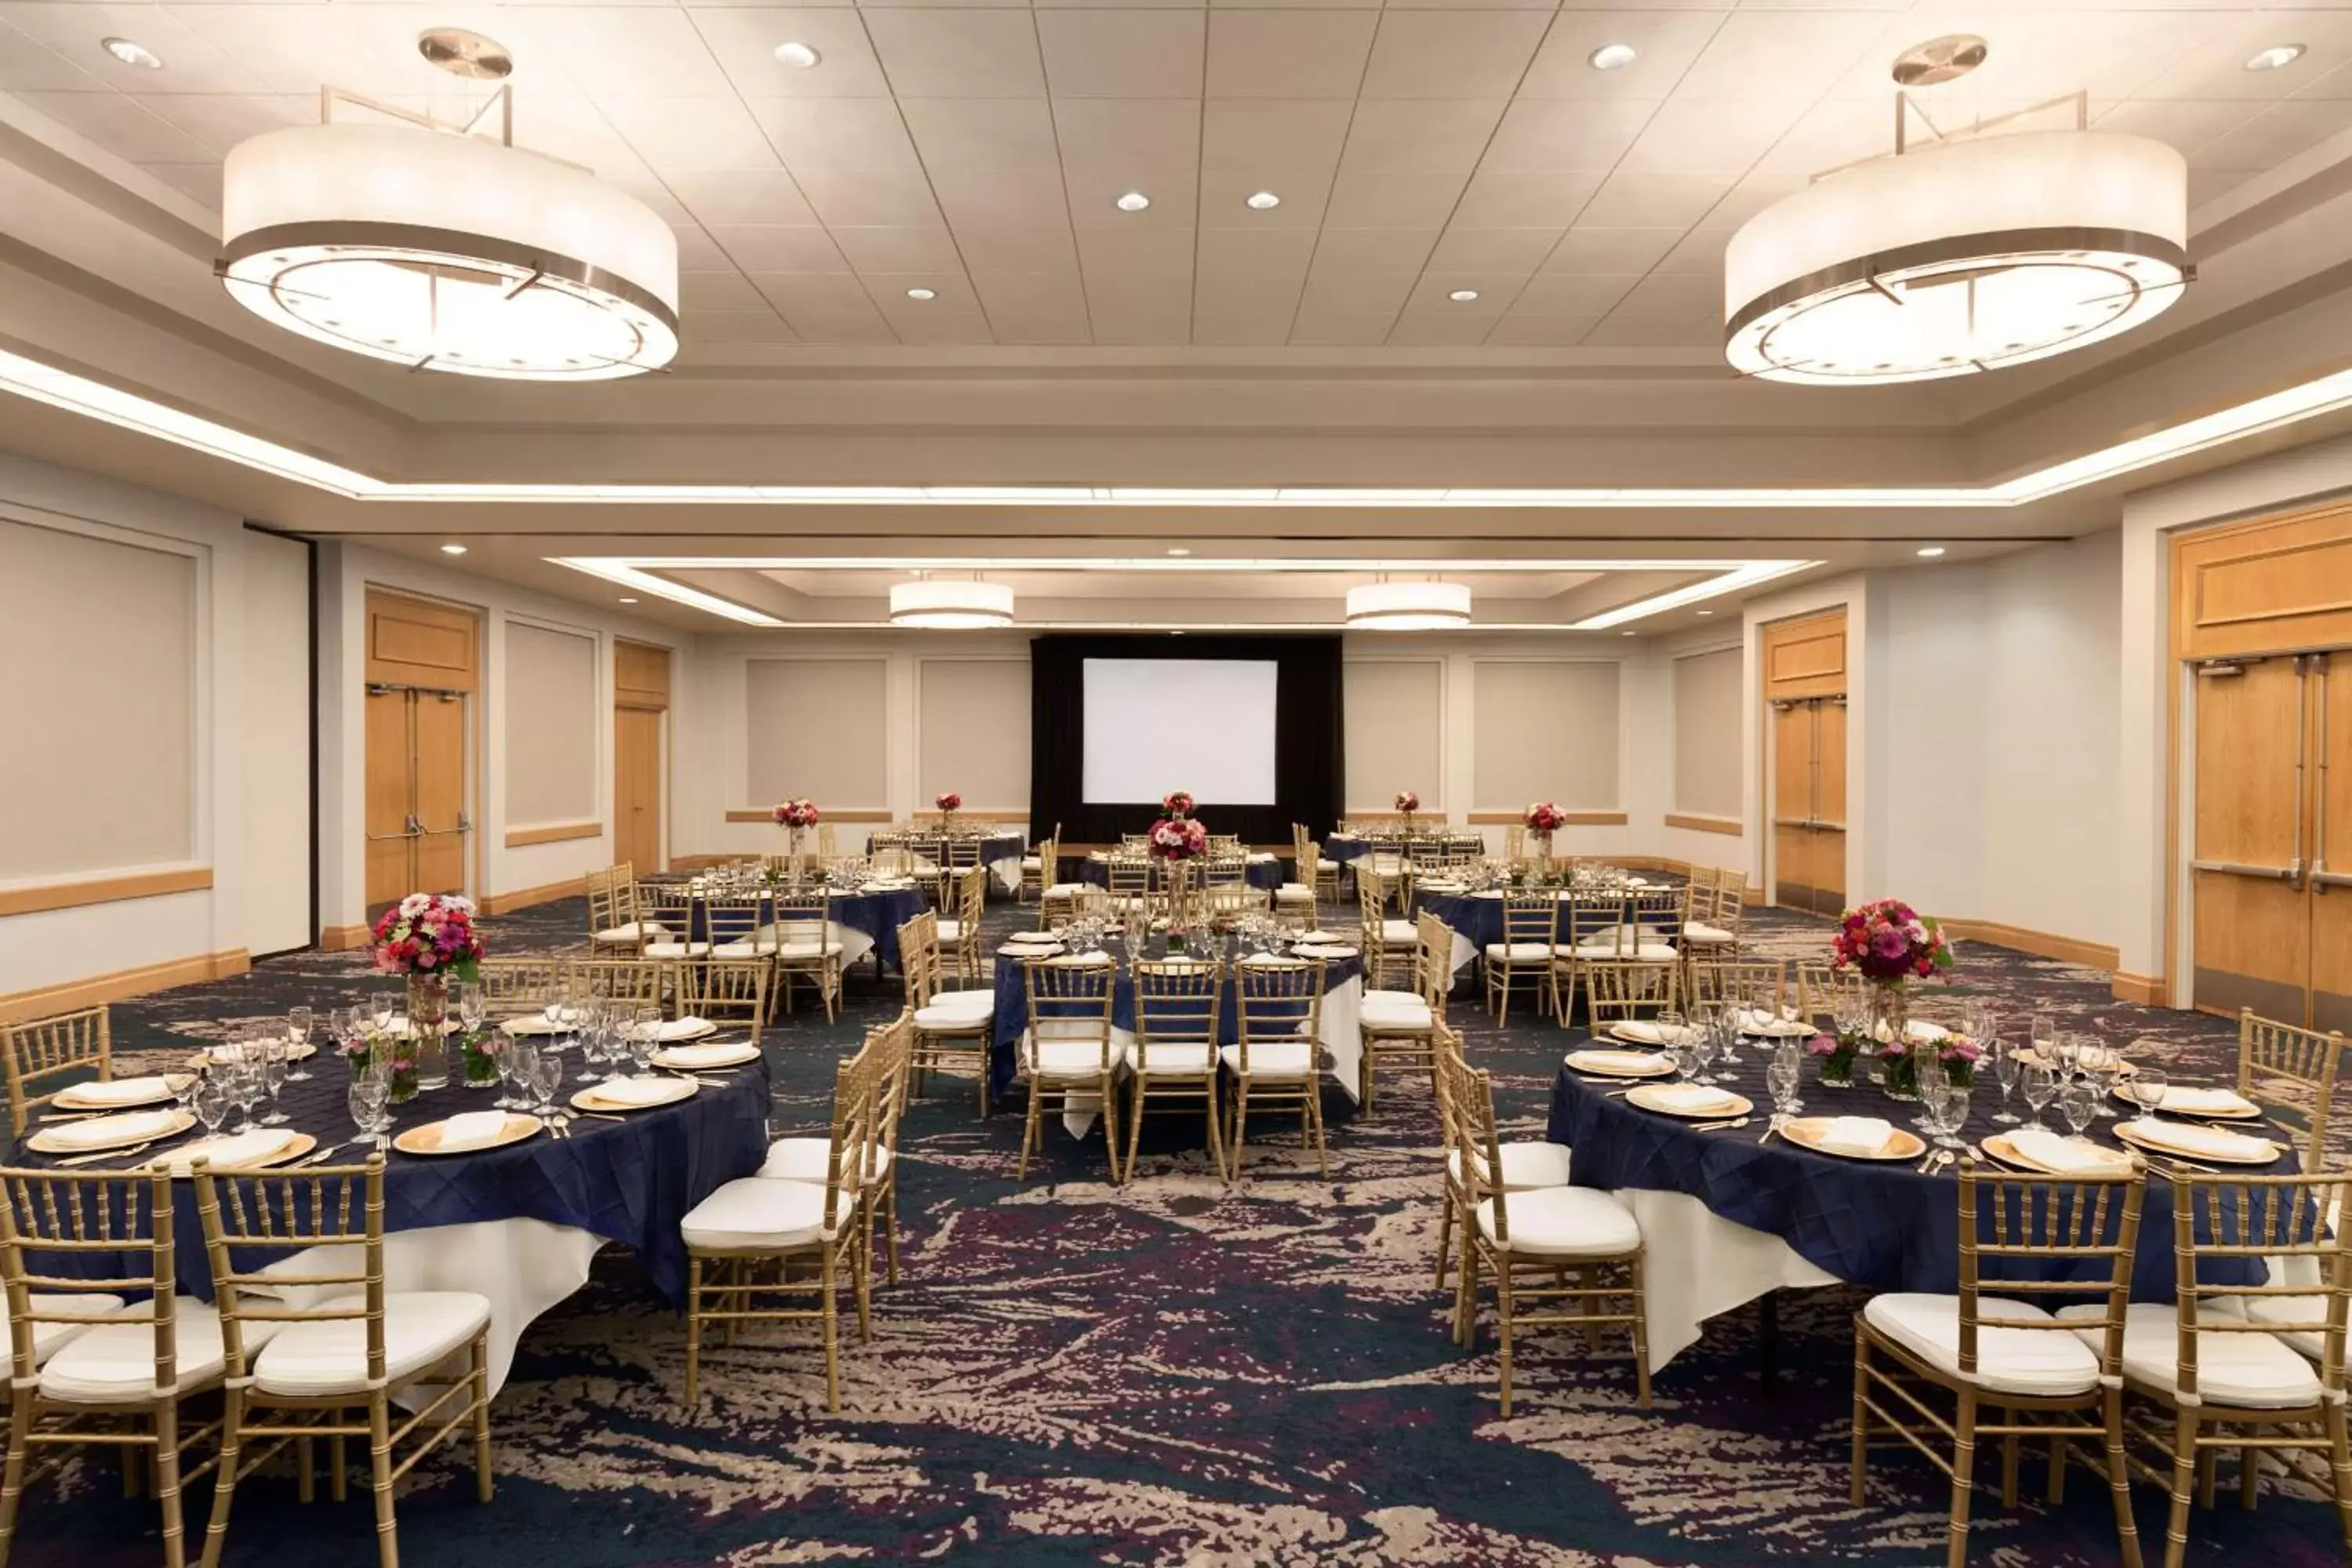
<point>1168,1374</point>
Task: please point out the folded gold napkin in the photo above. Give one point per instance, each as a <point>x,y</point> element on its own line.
<point>1696,1099</point>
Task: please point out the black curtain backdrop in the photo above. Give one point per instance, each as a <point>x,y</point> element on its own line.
<point>1307,749</point>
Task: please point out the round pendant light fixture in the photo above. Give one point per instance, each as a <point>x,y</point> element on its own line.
<point>448,251</point>
<point>943,603</point>
<point>1408,606</point>
<point>1958,256</point>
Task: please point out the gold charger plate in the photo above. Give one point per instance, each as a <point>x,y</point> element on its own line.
<point>45,1142</point>
<point>2127,1132</point>
<point>1581,1061</point>
<point>205,1059</point>
<point>742,1056</point>
<point>589,1099</point>
<point>1646,1098</point>
<point>426,1140</point>
<point>2001,1149</point>
<point>704,1028</point>
<point>2251,1113</point>
<point>173,1082</point>
<point>178,1161</point>
<point>1655,1039</point>
<point>1806,1132</point>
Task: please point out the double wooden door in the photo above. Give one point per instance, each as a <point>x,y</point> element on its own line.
<point>640,698</point>
<point>1809,804</point>
<point>2271,837</point>
<point>418,832</point>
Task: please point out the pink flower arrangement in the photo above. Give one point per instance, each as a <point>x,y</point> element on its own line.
<point>1889,941</point>
<point>948,800</point>
<point>1179,838</point>
<point>1176,805</point>
<point>428,933</point>
<point>796,813</point>
<point>1545,819</point>
<point>1408,803</point>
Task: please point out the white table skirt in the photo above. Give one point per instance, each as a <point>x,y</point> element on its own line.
<point>1697,1265</point>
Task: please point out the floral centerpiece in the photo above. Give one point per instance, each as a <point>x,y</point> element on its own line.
<point>1959,1056</point>
<point>430,938</point>
<point>1889,944</point>
<point>1836,1050</point>
<point>1176,804</point>
<point>1179,838</point>
<point>1543,819</point>
<point>795,815</point>
<point>1407,803</point>
<point>950,803</point>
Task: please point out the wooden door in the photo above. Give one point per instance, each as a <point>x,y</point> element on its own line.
<point>2329,675</point>
<point>390,850</point>
<point>2252,935</point>
<point>636,787</point>
<point>1829,805</point>
<point>1793,873</point>
<point>443,829</point>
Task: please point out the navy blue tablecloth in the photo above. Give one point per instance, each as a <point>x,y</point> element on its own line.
<point>1012,1018</point>
<point>630,1181</point>
<point>1263,875</point>
<point>1883,1227</point>
<point>877,914</point>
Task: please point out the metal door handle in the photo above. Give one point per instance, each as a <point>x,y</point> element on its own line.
<point>2293,873</point>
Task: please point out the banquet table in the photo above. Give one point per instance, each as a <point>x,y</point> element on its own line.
<point>1476,919</point>
<point>1264,871</point>
<point>1000,852</point>
<point>519,1225</point>
<point>1339,1026</point>
<point>1727,1217</point>
<point>865,921</point>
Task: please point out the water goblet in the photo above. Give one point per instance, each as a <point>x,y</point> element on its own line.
<point>2103,1063</point>
<point>643,1043</point>
<point>510,1051</point>
<point>367,1098</point>
<point>271,1050</point>
<point>1701,1052</point>
<point>1950,1102</point>
<point>299,1025</point>
<point>2006,1065</point>
<point>383,1008</point>
<point>2038,1082</point>
<point>209,1098</point>
<point>545,1077</point>
<point>1784,1078</point>
<point>2146,1088</point>
<point>473,1004</point>
<point>2077,1102</point>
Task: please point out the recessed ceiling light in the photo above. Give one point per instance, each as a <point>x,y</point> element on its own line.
<point>797,55</point>
<point>1706,612</point>
<point>2275,57</point>
<point>453,549</point>
<point>1264,200</point>
<point>1612,56</point>
<point>1629,634</point>
<point>1133,202</point>
<point>922,294</point>
<point>1462,296</point>
<point>1176,633</point>
<point>1931,551</point>
<point>626,599</point>
<point>131,53</point>
<point>1178,549</point>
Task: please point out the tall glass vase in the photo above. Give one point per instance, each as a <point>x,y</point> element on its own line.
<point>428,1011</point>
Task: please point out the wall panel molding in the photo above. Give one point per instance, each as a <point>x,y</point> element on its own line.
<point>117,984</point>
<point>81,891</point>
<point>1698,824</point>
<point>555,833</point>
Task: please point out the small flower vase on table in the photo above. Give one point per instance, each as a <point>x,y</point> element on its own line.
<point>405,1049</point>
<point>428,938</point>
<point>1898,1071</point>
<point>480,1049</point>
<point>1837,1054</point>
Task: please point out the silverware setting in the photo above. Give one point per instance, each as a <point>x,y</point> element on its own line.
<point>109,1154</point>
<point>1721,1126</point>
<point>1935,1161</point>
<point>1771,1131</point>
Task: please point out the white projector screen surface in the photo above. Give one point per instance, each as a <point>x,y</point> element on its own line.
<point>1158,725</point>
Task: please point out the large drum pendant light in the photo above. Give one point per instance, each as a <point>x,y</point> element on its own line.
<point>1408,606</point>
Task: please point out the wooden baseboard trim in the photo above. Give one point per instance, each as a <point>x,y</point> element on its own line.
<point>1730,826</point>
<point>2041,943</point>
<point>524,898</point>
<point>555,833</point>
<point>827,815</point>
<point>75,894</point>
<point>2148,990</point>
<point>47,1000</point>
<point>344,938</point>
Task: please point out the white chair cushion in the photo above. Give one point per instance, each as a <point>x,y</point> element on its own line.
<point>1526,1167</point>
<point>1404,931</point>
<point>1396,1016</point>
<point>752,1212</point>
<point>2256,1372</point>
<point>1606,948</point>
<point>811,949</point>
<point>1273,1058</point>
<point>49,1337</point>
<point>802,1159</point>
<point>1074,1059</point>
<point>1565,1221</point>
<point>1295,893</point>
<point>635,930</point>
<point>1031,863</point>
<point>1519,951</point>
<point>749,949</point>
<point>1706,936</point>
<point>1068,889</point>
<point>950,930</point>
<point>677,949</point>
<point>115,1363</point>
<point>1391,998</point>
<point>978,1001</point>
<point>2286,1309</point>
<point>2013,1361</point>
<point>938,1019</point>
<point>1176,1058</point>
<point>420,1328</point>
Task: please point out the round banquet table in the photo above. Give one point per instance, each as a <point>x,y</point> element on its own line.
<point>1727,1217</point>
<point>1263,872</point>
<point>521,1224</point>
<point>1001,853</point>
<point>863,922</point>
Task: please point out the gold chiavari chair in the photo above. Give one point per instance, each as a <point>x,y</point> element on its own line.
<point>1716,930</point>
<point>1134,843</point>
<point>1640,930</point>
<point>1067,1051</point>
<point>1223,870</point>
<point>1231,900</point>
<point>1400,1029</point>
<point>1277,1056</point>
<point>1081,901</point>
<point>1515,843</point>
<point>960,936</point>
<point>1177,1004</point>
<point>953,1029</point>
<point>1750,983</point>
<point>2053,1377</point>
<point>746,1242</point>
<point>671,905</point>
<point>2215,1375</point>
<point>517,986</point>
<point>806,949</point>
<point>1129,878</point>
<point>627,980</point>
<point>724,988</point>
<point>957,856</point>
<point>828,843</point>
<point>1387,939</point>
<point>1575,1247</point>
<point>2284,1068</point>
<point>298,1366</point>
<point>614,921</point>
<point>121,1382</point>
<point>1527,1165</point>
<point>1225,844</point>
<point>801,1159</point>
<point>67,1046</point>
<point>1530,951</point>
<point>893,854</point>
<point>1041,867</point>
<point>1821,989</point>
<point>1299,896</point>
<point>1618,991</point>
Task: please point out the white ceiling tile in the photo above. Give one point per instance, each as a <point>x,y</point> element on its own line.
<point>871,198</point>
<point>119,125</point>
<point>1288,54</point>
<point>721,200</point>
<point>1667,294</point>
<point>1374,249</point>
<point>1544,135</point>
<point>1028,293</point>
<point>825,307</point>
<point>778,247</point>
<point>705,329</point>
<point>692,135</point>
<point>744,39</point>
<point>1419,135</point>
<point>1793,54</point>
<point>1700,255</point>
<point>2185,125</point>
<point>993,133</point>
<point>28,66</point>
<point>952,299</point>
<point>1122,54</point>
<point>1653,201</point>
<point>1001,198</point>
<point>1566,295</point>
<point>1094,193</point>
<point>193,60</point>
<point>1027,250</point>
<point>1667,42</point>
<point>371,49</point>
<point>1334,292</point>
<point>1364,199</point>
<point>2276,134</point>
<point>1451,54</point>
<point>698,252</point>
<point>1652,330</point>
<point>1832,134</point>
<point>1261,322</point>
<point>727,290</point>
<point>1064,321</point>
<point>898,249</point>
<point>1495,289</point>
<point>958,54</point>
<point>1522,329</point>
<point>1143,252</point>
<point>836,133</point>
<point>1138,309</point>
<point>1227,252</point>
<point>1449,327</point>
<point>622,51</point>
<point>1462,249</point>
<point>1712,135</point>
<point>666,205</point>
<point>565,126</point>
<point>1248,135</point>
<point>1499,199</point>
<point>1303,193</point>
<point>2216,67</point>
<point>221,122</point>
<point>200,183</point>
<point>927,324</point>
<point>1629,251</point>
<point>1325,329</point>
<point>1126,134</point>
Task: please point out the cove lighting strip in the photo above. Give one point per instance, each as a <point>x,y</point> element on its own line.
<point>80,394</point>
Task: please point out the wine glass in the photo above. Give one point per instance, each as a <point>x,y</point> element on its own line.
<point>2146,1088</point>
<point>1783,1076</point>
<point>642,1044</point>
<point>210,1100</point>
<point>2102,1062</point>
<point>2005,1066</point>
<point>299,1023</point>
<point>2039,1081</point>
<point>383,1008</point>
<point>367,1098</point>
<point>1701,1052</point>
<point>510,1065</point>
<point>1948,1101</point>
<point>544,1076</point>
<point>270,1053</point>
<point>2078,1103</point>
